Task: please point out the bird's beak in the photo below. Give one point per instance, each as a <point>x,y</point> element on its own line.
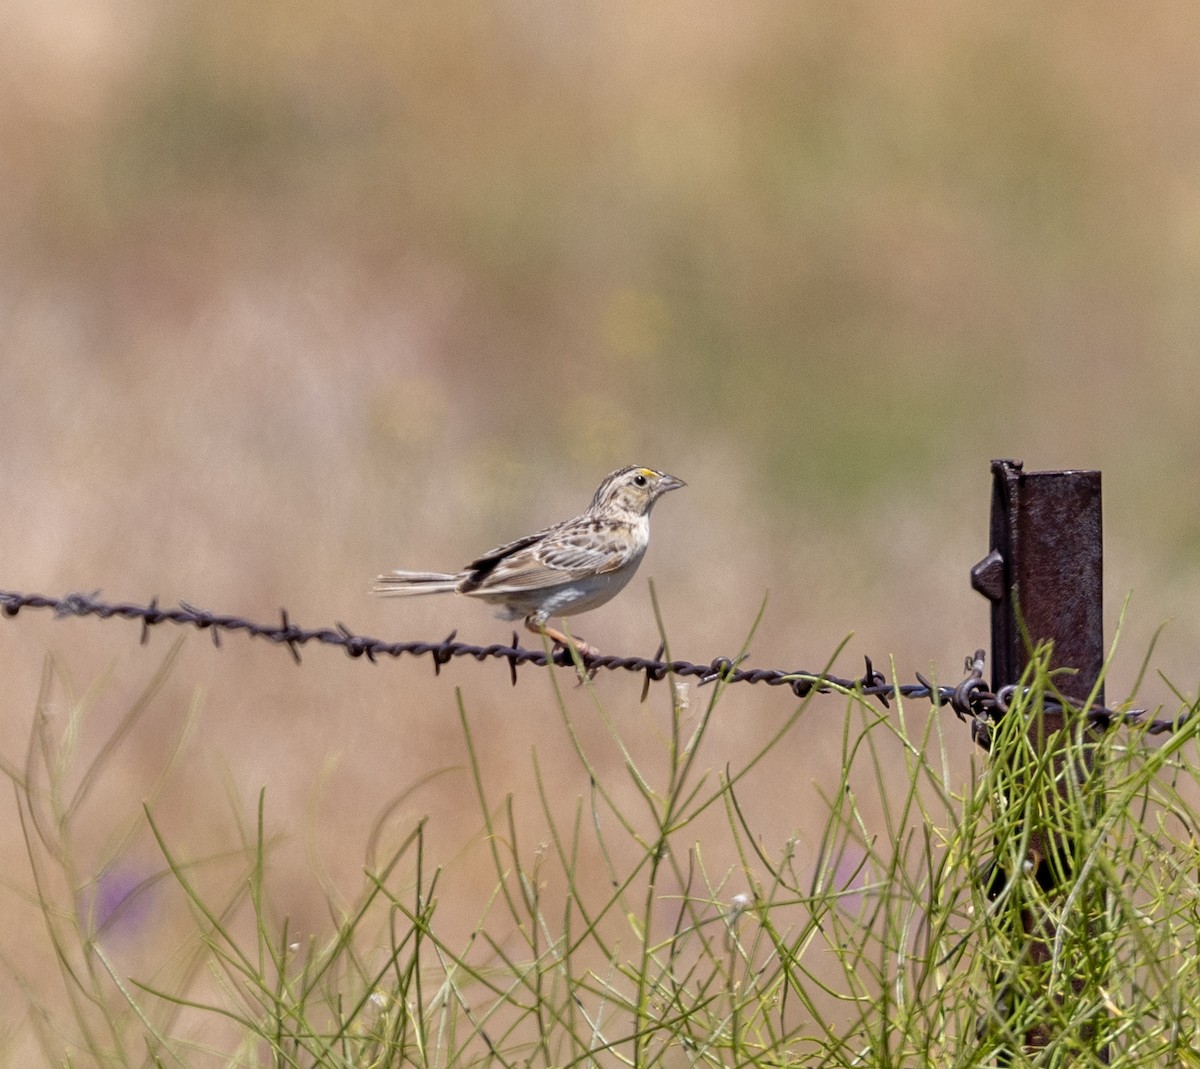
<point>669,482</point>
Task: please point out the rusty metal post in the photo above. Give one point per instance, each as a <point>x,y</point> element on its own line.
<point>1044,579</point>
<point>1045,568</point>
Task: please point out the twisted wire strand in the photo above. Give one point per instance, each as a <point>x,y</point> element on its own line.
<point>971,700</point>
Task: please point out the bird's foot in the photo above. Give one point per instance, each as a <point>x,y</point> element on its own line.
<point>586,651</point>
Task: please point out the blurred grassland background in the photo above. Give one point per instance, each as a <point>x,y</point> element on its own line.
<point>293,293</point>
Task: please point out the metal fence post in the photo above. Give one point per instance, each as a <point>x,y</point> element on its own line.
<point>1044,578</point>
<point>1046,567</point>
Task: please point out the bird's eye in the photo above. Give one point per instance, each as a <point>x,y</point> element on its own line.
<point>639,480</point>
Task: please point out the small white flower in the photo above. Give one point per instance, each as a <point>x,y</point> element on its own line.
<point>682,701</point>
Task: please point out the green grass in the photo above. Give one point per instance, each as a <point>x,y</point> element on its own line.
<point>654,926</point>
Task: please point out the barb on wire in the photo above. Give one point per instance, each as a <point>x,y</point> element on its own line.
<point>971,700</point>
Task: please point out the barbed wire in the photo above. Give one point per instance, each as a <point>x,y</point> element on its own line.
<point>971,700</point>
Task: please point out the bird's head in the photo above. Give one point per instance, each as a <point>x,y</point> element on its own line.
<point>632,491</point>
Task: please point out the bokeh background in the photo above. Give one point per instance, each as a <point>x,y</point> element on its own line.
<point>293,293</point>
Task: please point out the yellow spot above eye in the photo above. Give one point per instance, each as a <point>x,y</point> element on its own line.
<point>646,472</point>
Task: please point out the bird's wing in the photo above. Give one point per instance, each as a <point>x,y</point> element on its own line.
<point>548,558</point>
<point>479,573</point>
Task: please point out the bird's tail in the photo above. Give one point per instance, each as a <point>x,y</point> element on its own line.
<point>406,584</point>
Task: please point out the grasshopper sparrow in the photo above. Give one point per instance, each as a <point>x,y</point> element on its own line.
<point>566,569</point>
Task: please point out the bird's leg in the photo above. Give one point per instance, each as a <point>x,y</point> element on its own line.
<point>559,638</point>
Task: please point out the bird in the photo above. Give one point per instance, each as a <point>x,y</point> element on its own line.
<point>568,568</point>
